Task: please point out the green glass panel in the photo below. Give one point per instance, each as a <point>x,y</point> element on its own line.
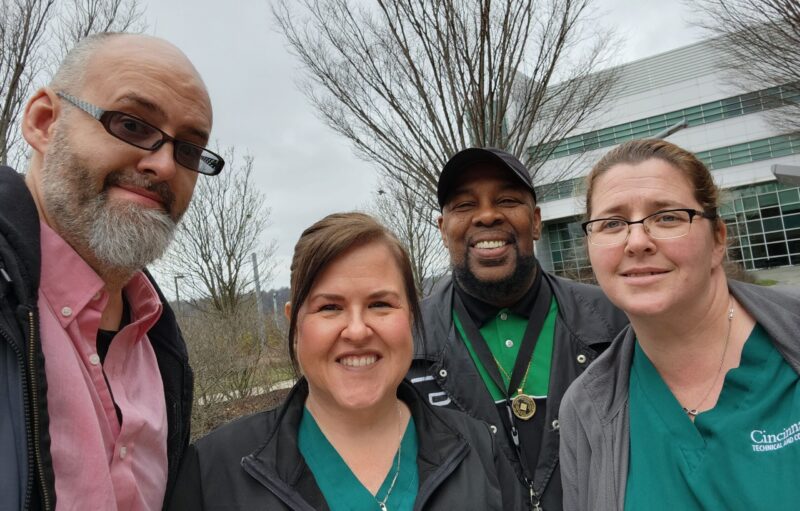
<point>792,234</point>
<point>754,227</point>
<point>775,236</point>
<point>759,251</point>
<point>791,221</point>
<point>749,203</point>
<point>777,249</point>
<point>773,224</point>
<point>768,199</point>
<point>770,211</point>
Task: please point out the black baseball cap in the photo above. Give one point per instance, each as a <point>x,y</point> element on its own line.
<point>463,159</point>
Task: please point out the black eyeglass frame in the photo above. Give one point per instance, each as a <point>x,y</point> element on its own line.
<point>106,116</point>
<point>711,215</point>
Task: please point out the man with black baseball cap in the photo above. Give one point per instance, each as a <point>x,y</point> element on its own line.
<point>504,339</point>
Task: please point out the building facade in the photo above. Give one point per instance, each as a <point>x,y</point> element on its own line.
<point>727,126</point>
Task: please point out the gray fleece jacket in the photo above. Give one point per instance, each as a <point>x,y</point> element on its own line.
<point>594,413</point>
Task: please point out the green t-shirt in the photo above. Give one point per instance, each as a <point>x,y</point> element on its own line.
<point>505,327</point>
<point>742,454</point>
<point>340,487</point>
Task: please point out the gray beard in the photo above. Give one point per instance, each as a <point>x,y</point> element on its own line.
<point>121,237</point>
<point>129,237</point>
<point>497,291</point>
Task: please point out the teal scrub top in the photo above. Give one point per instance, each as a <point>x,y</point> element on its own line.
<point>742,454</point>
<point>340,487</point>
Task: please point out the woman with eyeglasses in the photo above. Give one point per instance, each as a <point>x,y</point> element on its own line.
<point>697,404</point>
<point>352,433</point>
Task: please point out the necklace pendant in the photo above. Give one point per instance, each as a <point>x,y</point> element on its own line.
<point>693,412</point>
<point>382,505</point>
<point>523,406</point>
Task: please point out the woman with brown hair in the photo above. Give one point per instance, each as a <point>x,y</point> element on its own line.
<point>351,435</point>
<point>696,405</point>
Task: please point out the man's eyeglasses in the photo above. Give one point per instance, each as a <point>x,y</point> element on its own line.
<point>661,225</point>
<point>143,135</point>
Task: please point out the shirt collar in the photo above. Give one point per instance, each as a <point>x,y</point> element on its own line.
<point>69,284</point>
<point>482,312</point>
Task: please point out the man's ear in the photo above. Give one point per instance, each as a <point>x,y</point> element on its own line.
<point>38,120</point>
<point>440,221</point>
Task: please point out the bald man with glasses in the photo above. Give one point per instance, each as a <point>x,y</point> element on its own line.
<point>96,392</point>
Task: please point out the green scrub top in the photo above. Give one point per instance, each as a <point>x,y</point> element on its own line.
<point>340,487</point>
<point>742,454</point>
<point>507,326</point>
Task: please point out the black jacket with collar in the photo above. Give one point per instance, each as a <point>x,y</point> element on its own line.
<point>445,373</point>
<point>254,463</point>
<point>26,470</point>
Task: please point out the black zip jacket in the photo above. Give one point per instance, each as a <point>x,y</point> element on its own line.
<point>445,373</point>
<point>26,468</point>
<point>254,463</point>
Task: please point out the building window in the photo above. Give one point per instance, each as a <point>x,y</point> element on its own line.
<point>567,246</point>
<point>763,225</point>
<point>694,116</point>
<point>715,159</point>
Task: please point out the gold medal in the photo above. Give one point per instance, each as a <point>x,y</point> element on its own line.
<point>523,405</point>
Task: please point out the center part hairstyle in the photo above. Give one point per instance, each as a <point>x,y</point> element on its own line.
<point>327,240</point>
<point>638,151</point>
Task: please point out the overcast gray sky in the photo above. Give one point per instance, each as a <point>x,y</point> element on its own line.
<point>305,170</point>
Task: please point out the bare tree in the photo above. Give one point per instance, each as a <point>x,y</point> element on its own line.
<point>400,208</point>
<point>80,18</point>
<point>219,232</point>
<point>760,44</point>
<point>34,35</point>
<point>409,83</point>
<point>230,363</point>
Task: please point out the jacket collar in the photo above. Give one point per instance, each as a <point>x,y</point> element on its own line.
<point>19,225</point>
<point>278,464</point>
<point>583,308</point>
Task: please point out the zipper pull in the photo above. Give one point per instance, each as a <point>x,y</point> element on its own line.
<point>534,498</point>
<point>5,280</point>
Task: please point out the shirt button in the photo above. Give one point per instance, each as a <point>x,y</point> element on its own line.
<point>443,373</point>
<point>509,343</point>
<point>493,428</point>
<point>503,316</point>
<point>581,358</point>
<point>94,359</point>
<point>66,312</point>
<point>97,296</point>
<point>123,451</point>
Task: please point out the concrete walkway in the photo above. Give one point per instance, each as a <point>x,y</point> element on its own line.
<point>787,275</point>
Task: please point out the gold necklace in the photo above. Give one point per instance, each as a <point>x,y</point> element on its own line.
<point>523,405</point>
<point>692,412</point>
<point>382,503</point>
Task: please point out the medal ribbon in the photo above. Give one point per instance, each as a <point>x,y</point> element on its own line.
<point>536,320</point>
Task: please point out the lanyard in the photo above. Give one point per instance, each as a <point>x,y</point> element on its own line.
<point>536,320</point>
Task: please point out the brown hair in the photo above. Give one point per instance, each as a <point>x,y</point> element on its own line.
<point>638,151</point>
<point>329,238</point>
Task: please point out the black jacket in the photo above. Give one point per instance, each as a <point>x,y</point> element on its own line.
<point>26,469</point>
<point>254,463</point>
<point>444,371</point>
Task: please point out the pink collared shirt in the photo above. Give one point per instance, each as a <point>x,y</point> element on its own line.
<point>99,463</point>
